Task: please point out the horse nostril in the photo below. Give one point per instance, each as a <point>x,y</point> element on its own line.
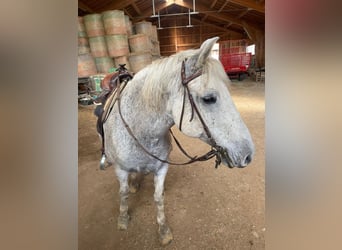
<point>248,159</point>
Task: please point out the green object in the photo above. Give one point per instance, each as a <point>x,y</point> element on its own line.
<point>112,70</point>
<point>96,82</point>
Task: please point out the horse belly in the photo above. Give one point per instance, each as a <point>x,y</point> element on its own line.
<point>130,157</point>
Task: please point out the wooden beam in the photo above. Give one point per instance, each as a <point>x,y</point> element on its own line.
<point>227,25</point>
<point>205,9</point>
<point>259,49</point>
<point>136,8</point>
<point>158,6</point>
<point>117,5</point>
<point>195,21</point>
<point>85,7</point>
<point>219,27</point>
<point>243,13</point>
<point>189,5</point>
<point>213,4</point>
<point>204,18</point>
<point>206,15</point>
<point>127,13</point>
<point>258,6</point>
<point>251,31</point>
<point>252,4</point>
<point>224,5</point>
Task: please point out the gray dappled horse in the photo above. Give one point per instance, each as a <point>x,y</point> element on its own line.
<point>157,98</point>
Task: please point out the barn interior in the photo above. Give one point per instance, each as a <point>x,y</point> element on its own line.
<point>207,208</point>
<point>185,24</point>
<point>182,25</point>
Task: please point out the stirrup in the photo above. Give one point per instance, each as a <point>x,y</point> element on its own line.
<point>103,162</point>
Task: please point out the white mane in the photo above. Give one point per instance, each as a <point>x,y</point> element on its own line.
<point>164,75</point>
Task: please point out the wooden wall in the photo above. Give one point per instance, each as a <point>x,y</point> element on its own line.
<point>178,38</point>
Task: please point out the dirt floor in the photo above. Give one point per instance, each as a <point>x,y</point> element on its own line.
<point>206,208</point>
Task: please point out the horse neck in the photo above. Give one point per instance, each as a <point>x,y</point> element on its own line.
<point>140,114</point>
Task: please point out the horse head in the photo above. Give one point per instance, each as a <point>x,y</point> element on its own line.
<point>211,114</point>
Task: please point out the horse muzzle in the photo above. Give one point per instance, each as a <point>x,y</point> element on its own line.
<point>231,161</point>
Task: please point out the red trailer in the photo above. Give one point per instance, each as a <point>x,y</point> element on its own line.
<point>236,65</point>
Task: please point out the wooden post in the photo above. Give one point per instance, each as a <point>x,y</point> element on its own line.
<point>260,49</point>
<point>258,38</point>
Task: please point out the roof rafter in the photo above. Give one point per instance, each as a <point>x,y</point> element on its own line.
<point>84,7</point>
<point>244,13</point>
<point>136,8</point>
<point>258,6</point>
<point>220,16</point>
<point>117,5</point>
<point>199,7</point>
<point>213,4</point>
<point>207,10</point>
<point>195,20</point>
<point>224,5</point>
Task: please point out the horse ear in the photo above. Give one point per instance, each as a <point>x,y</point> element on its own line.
<point>204,50</point>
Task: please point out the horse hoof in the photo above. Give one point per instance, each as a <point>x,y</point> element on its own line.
<point>123,222</point>
<point>165,235</point>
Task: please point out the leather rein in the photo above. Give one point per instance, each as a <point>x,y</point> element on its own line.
<point>216,150</point>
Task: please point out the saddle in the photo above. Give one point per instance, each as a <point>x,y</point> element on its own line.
<point>104,101</point>
<point>110,82</point>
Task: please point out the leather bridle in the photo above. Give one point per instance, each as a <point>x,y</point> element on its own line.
<point>216,150</point>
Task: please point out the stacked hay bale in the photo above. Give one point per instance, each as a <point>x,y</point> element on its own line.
<point>151,31</point>
<point>155,43</point>
<point>96,34</point>
<point>115,26</point>
<point>83,45</point>
<point>144,45</point>
<point>86,63</point>
<point>124,58</point>
<point>112,41</point>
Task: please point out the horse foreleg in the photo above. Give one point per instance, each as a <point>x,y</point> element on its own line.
<point>164,231</point>
<point>124,191</point>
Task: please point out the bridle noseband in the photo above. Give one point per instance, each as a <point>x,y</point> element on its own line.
<point>216,150</point>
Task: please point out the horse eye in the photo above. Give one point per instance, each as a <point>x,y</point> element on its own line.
<point>210,99</point>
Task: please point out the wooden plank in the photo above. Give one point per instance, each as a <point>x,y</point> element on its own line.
<point>172,37</point>
<point>158,6</point>
<point>258,6</point>
<point>252,4</point>
<point>205,9</point>
<point>213,4</point>
<point>117,5</point>
<point>85,7</point>
<point>195,22</point>
<point>199,7</point>
<point>220,16</point>
<point>244,13</point>
<point>136,8</point>
<point>127,13</point>
<point>251,32</point>
<point>224,5</point>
